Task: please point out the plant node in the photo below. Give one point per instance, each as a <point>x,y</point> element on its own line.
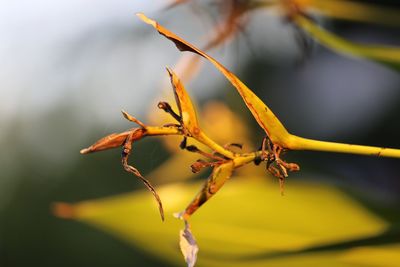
<point>271,154</point>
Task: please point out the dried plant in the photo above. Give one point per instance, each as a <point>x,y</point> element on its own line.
<point>223,160</point>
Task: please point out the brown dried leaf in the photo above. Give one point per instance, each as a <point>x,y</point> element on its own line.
<point>110,141</point>
<point>220,174</point>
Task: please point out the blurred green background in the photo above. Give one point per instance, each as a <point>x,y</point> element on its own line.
<point>69,67</point>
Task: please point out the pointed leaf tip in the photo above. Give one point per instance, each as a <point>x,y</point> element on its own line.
<point>169,70</point>
<point>84,151</point>
<point>146,19</point>
<point>125,114</point>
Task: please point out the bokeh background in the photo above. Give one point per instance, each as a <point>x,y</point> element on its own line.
<point>69,67</point>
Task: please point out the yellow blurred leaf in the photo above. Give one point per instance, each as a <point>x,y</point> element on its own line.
<point>246,219</point>
<point>356,11</point>
<point>227,127</point>
<point>387,55</point>
<point>388,256</point>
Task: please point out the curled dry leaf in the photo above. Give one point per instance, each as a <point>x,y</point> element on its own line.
<point>220,174</point>
<point>146,182</point>
<point>127,148</point>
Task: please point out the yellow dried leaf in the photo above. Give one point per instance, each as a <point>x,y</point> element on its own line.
<point>374,256</point>
<point>185,105</point>
<point>263,115</point>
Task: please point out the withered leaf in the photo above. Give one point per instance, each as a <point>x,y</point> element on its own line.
<point>263,115</point>
<point>150,188</point>
<point>112,141</point>
<point>185,105</point>
<point>220,174</point>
